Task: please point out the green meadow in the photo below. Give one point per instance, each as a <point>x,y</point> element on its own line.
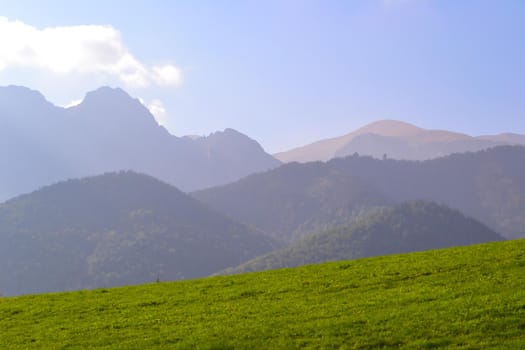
<point>469,297</point>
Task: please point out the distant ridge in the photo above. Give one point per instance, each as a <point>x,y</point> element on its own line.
<point>295,198</point>
<point>398,140</point>
<point>41,144</point>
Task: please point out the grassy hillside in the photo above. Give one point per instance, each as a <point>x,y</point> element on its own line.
<point>468,297</point>
<point>407,227</point>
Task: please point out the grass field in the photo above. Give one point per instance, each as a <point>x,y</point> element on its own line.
<point>470,297</point>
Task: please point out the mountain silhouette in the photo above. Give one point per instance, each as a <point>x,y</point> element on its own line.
<point>110,131</point>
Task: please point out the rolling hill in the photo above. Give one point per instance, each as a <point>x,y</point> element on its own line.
<point>407,227</point>
<point>41,144</point>
<point>115,229</point>
<point>467,297</point>
<point>295,199</point>
<point>398,140</point>
<point>487,185</point>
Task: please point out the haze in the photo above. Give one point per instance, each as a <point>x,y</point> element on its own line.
<point>262,174</point>
<point>285,73</point>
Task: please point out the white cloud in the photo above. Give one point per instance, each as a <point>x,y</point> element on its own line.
<point>156,107</point>
<point>167,75</point>
<point>73,103</point>
<point>80,49</point>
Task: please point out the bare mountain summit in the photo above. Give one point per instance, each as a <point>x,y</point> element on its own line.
<point>398,140</point>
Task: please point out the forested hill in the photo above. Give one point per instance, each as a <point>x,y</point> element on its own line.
<point>408,227</point>
<point>488,185</point>
<point>114,229</point>
<point>295,199</point>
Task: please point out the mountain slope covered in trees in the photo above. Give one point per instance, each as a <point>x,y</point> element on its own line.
<point>295,199</point>
<point>407,227</point>
<point>115,229</point>
<point>488,185</point>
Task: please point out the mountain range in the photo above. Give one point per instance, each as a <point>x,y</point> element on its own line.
<point>398,140</point>
<point>244,210</point>
<point>41,144</point>
<point>115,229</point>
<point>295,199</point>
<point>488,185</point>
<point>128,228</point>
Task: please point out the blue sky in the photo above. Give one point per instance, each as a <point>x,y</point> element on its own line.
<point>283,72</point>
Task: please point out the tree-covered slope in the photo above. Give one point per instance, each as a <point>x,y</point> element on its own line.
<point>487,185</point>
<point>407,227</point>
<point>294,199</point>
<point>457,298</point>
<point>114,229</point>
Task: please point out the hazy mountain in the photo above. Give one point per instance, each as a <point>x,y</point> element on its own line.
<point>396,140</point>
<point>110,131</point>
<point>294,199</point>
<point>508,138</point>
<point>407,227</point>
<point>487,185</point>
<point>114,229</point>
